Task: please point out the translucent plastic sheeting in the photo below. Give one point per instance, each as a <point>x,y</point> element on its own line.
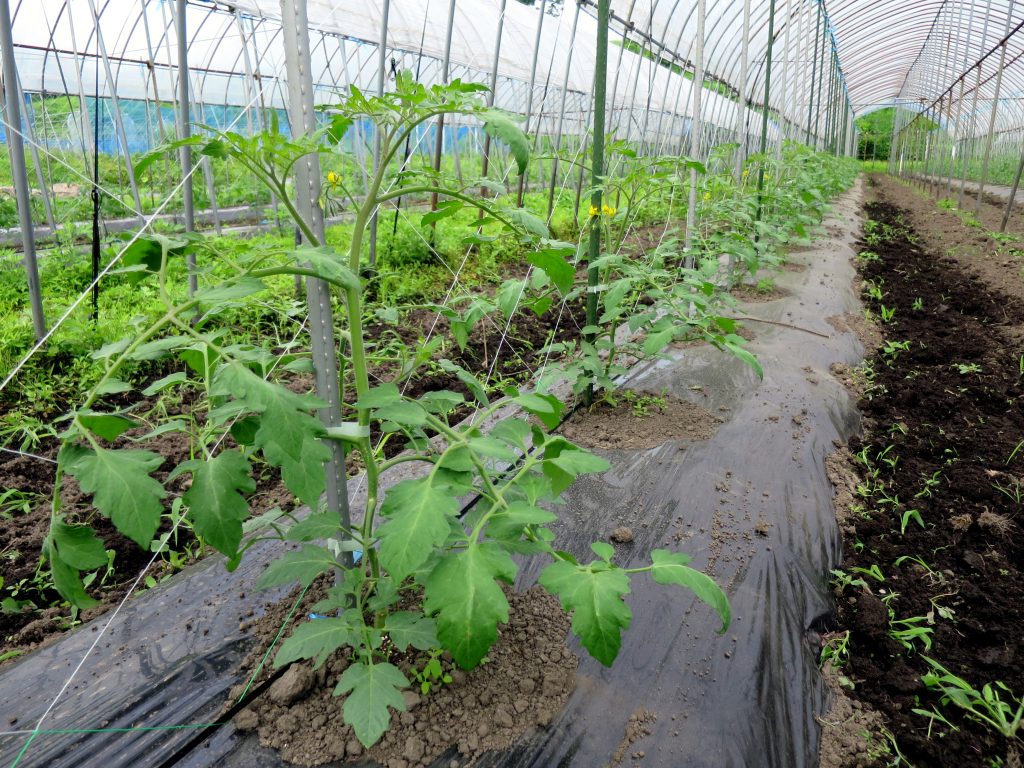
<point>236,56</point>
<point>756,510</point>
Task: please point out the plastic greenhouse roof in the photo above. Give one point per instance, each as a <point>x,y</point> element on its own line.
<point>226,47</point>
<point>905,51</point>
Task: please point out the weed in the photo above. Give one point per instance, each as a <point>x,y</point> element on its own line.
<point>986,706</point>
<point>965,368</point>
<point>431,674</point>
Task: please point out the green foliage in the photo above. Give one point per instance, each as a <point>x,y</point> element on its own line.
<point>428,577</point>
<point>987,706</point>
<point>594,594</point>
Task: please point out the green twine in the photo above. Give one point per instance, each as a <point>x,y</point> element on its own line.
<point>248,685</point>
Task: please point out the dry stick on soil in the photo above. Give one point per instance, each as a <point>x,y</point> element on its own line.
<point>778,323</point>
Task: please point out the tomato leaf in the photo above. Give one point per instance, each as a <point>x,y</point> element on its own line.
<point>302,566</point>
<point>215,500</point>
<point>462,592</point>
<point>78,546</point>
<point>671,568</point>
<point>594,596</point>
<point>372,689</point>
<point>122,489</point>
<point>317,639</point>
<point>417,514</point>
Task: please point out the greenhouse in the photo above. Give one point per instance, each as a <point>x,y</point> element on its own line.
<point>511,383</point>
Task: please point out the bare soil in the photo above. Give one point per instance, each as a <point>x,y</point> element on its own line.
<point>636,422</point>
<point>948,408</point>
<point>751,294</point>
<point>526,681</point>
<point>509,351</point>
<point>22,536</point>
<point>999,265</point>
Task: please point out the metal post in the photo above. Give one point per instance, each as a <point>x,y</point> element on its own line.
<point>784,110</point>
<point>814,75</point>
<point>767,95</point>
<point>953,151</point>
<point>1012,199</point>
<point>696,126</point>
<point>307,190</point>
<point>561,114</point>
<point>381,74</point>
<point>184,131</point>
<point>529,96</point>
<point>19,174</point>
<point>33,147</point>
<point>359,140</point>
<point>992,116</point>
<point>974,107</point>
<point>583,150</point>
<point>116,107</point>
<point>597,169</point>
<point>485,160</point>
<point>439,136</point>
<point>741,110</point>
<point>825,138</point>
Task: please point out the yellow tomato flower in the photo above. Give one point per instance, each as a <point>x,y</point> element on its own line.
<point>707,196</point>
<point>593,210</point>
<point>608,210</point>
<point>745,173</point>
<point>333,179</point>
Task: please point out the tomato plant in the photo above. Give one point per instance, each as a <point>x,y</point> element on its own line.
<point>426,575</point>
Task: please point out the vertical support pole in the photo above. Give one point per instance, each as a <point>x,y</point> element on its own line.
<point>1012,199</point>
<point>485,161</point>
<point>992,116</point>
<point>583,150</point>
<point>974,108</point>
<point>784,110</point>
<point>33,147</point>
<point>741,109</point>
<point>817,110</point>
<point>439,128</point>
<point>814,78</point>
<point>184,131</point>
<point>529,95</point>
<point>953,151</point>
<point>596,169</point>
<point>19,174</point>
<point>307,190</point>
<point>359,139</point>
<point>561,114</point>
<point>826,141</point>
<point>116,106</point>
<point>767,95</point>
<point>381,74</point>
<point>696,128</point>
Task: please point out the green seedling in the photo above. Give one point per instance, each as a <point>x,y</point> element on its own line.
<point>911,632</point>
<point>906,517</point>
<point>965,368</point>
<point>994,706</point>
<point>431,674</point>
<point>891,350</point>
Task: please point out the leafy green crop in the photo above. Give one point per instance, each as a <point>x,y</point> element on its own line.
<point>412,541</point>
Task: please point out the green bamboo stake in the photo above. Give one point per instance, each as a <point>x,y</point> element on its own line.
<point>597,171</point>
